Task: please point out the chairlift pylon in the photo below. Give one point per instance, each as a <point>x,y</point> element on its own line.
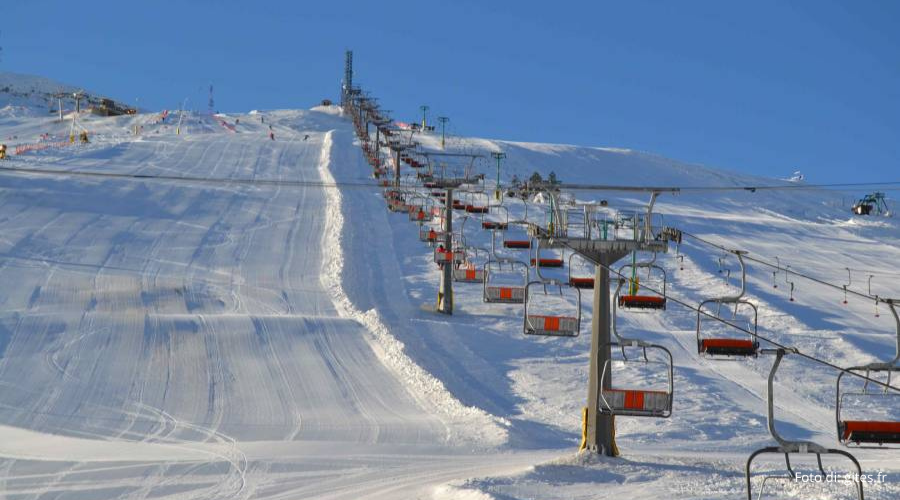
<point>545,310</point>
<point>870,416</point>
<point>788,447</point>
<point>631,398</point>
<point>730,345</point>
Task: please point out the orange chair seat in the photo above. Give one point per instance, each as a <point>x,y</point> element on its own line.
<point>549,262</point>
<point>642,301</point>
<point>871,431</point>
<point>736,347</point>
<point>494,225</point>
<point>517,244</point>
<point>582,282</point>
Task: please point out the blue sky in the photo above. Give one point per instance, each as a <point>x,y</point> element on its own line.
<point>766,87</point>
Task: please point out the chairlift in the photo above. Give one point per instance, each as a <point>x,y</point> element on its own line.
<point>420,209</point>
<point>730,342</point>
<point>549,309</point>
<point>518,242</point>
<point>442,256</point>
<point>788,447</point>
<point>867,415</point>
<point>578,281</point>
<point>468,271</point>
<point>473,206</point>
<point>496,218</point>
<point>635,299</point>
<point>538,261</point>
<point>640,383</point>
<point>431,235</point>
<point>505,281</point>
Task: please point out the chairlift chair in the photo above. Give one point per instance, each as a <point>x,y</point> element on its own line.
<point>496,218</point>
<point>505,281</point>
<point>431,235</point>
<point>518,241</point>
<point>419,209</point>
<point>443,256</point>
<point>646,300</point>
<point>649,390</point>
<point>474,206</point>
<point>468,272</point>
<point>729,343</point>
<point>788,447</point>
<point>867,416</point>
<point>538,261</point>
<point>549,309</point>
<point>579,281</point>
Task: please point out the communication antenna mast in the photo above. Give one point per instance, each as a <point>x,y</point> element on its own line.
<point>211,103</point>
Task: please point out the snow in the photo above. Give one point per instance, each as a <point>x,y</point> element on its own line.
<point>221,340</point>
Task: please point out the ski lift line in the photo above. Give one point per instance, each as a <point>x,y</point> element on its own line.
<point>677,189</point>
<point>757,335</point>
<point>791,270</point>
<point>370,185</point>
<point>179,178</point>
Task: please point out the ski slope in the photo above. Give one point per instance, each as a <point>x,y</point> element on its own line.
<point>187,339</point>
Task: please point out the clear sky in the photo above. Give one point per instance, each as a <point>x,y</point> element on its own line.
<point>766,87</point>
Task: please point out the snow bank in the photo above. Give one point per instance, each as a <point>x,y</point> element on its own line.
<point>464,423</point>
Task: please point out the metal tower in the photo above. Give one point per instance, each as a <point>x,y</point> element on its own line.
<point>348,76</point>
<point>211,103</point>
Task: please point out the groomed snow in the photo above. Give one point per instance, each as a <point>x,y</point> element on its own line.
<point>186,340</point>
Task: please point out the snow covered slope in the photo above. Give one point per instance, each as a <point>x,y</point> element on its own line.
<point>175,339</point>
<point>539,385</point>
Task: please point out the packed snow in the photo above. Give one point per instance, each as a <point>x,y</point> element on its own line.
<point>211,339</point>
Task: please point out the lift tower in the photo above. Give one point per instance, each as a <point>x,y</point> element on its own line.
<point>347,84</point>
<point>603,250</point>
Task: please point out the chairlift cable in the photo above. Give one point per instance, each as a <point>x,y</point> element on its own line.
<point>779,267</point>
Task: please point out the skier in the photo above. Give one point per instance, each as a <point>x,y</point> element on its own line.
<point>2,151</point>
<point>272,135</point>
<point>305,137</point>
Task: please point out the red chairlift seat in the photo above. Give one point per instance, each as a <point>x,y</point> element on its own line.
<point>476,209</point>
<point>500,226</point>
<point>458,205</point>
<point>729,347</point>
<point>582,282</point>
<point>642,301</point>
<point>548,262</point>
<point>517,244</point>
<point>862,431</point>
